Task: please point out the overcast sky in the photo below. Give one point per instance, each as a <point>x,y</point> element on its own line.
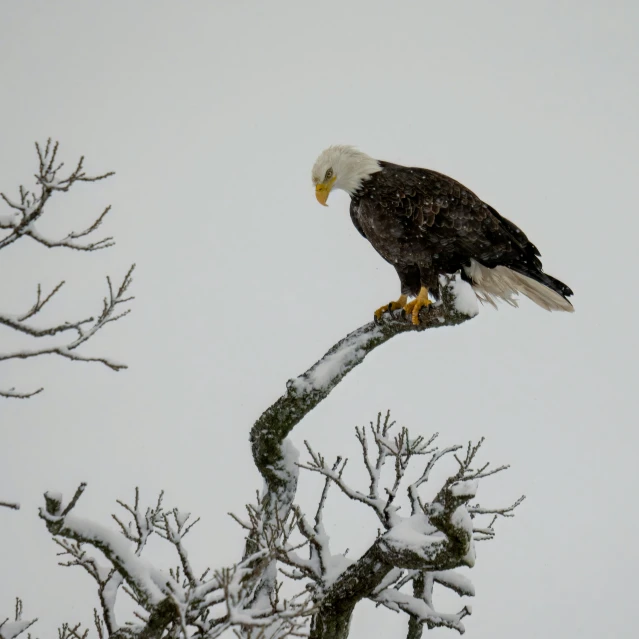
<point>212,114</point>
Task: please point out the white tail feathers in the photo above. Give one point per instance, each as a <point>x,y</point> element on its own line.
<point>503,283</point>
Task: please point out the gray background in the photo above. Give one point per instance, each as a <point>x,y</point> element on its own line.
<point>212,114</point>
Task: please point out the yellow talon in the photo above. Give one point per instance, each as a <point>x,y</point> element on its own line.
<point>393,306</point>
<point>413,308</point>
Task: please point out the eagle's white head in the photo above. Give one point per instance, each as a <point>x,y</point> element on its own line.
<point>341,167</point>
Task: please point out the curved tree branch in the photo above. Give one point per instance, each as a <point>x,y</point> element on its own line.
<point>306,391</point>
<point>277,462</point>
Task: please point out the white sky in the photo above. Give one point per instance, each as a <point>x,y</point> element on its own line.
<point>212,114</point>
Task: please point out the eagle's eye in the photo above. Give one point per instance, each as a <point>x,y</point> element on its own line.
<point>329,174</point>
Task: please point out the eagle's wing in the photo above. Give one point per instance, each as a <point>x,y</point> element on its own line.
<point>453,217</point>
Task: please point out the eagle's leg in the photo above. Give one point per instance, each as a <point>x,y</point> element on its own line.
<point>393,306</point>
<point>413,308</point>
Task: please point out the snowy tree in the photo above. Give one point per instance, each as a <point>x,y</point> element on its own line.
<point>19,221</point>
<point>290,582</point>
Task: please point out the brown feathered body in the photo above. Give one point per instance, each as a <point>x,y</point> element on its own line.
<point>426,224</point>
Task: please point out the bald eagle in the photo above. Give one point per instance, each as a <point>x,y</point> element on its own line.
<point>426,224</point>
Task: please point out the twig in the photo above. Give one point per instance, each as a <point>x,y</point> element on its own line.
<point>13,394</point>
<point>504,512</point>
<point>108,314</point>
<point>318,465</point>
<point>31,206</point>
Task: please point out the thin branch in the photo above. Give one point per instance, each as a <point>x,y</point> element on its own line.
<point>12,393</point>
<point>110,305</point>
<point>76,234</point>
<point>20,222</point>
<point>147,587</point>
<point>318,465</point>
<point>67,242</point>
<point>504,512</point>
<point>13,629</point>
<point>32,205</point>
<point>39,303</point>
<point>72,632</point>
<point>175,534</point>
<point>322,501</point>
<point>413,495</point>
<point>421,611</point>
<point>78,493</point>
<point>80,558</point>
<point>62,352</point>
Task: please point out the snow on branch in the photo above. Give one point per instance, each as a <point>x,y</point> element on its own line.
<point>421,548</point>
<point>176,602</point>
<point>436,538</point>
<point>25,211</point>
<point>12,393</point>
<point>17,322</point>
<point>424,547</point>
<point>19,222</point>
<point>310,388</point>
<point>420,611</point>
<point>84,331</point>
<point>13,629</point>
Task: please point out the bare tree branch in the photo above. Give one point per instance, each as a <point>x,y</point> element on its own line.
<point>31,205</point>
<point>306,391</point>
<point>11,393</point>
<point>504,512</point>
<point>68,242</point>
<point>19,222</point>
<point>318,465</point>
<point>10,504</point>
<point>148,587</point>
<point>39,303</point>
<point>110,306</point>
<point>414,544</point>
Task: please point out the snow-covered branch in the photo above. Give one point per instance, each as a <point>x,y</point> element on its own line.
<point>176,602</point>
<point>436,538</point>
<point>306,391</point>
<point>17,322</point>
<point>318,464</point>
<point>420,549</point>
<point>25,211</point>
<point>420,611</point>
<point>20,221</point>
<point>13,629</point>
<point>270,448</point>
<point>84,329</point>
<point>12,393</point>
<point>423,548</point>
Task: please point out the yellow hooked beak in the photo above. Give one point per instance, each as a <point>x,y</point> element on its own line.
<point>323,189</point>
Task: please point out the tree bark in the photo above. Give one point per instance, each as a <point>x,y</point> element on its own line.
<point>333,619</point>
